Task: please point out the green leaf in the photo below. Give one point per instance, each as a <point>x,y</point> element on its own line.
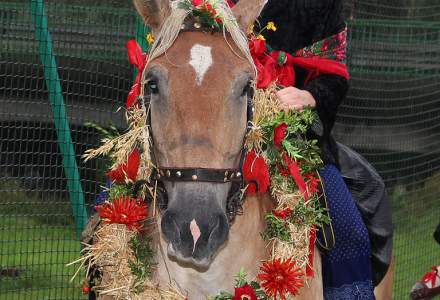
<point>118,190</point>
<point>276,228</point>
<point>240,278</point>
<point>143,263</point>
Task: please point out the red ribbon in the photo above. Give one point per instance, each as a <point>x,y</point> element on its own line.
<point>230,3</point>
<point>139,59</point>
<point>283,73</point>
<point>431,276</point>
<point>312,241</point>
<point>295,172</point>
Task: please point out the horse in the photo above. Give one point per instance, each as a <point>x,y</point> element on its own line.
<point>199,85</point>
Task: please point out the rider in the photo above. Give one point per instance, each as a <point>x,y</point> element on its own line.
<point>347,270</point>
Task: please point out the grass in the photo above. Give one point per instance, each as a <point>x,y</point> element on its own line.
<point>416,213</point>
<point>37,238</point>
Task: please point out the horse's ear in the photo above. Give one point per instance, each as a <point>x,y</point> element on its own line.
<point>154,12</point>
<point>247,11</point>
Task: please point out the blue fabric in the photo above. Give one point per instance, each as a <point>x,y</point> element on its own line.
<point>346,267</point>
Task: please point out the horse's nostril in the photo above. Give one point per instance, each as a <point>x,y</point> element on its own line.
<point>219,232</point>
<point>170,228</point>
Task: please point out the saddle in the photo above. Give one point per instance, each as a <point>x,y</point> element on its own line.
<point>369,192</point>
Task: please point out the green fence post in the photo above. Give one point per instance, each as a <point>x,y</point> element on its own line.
<point>141,32</point>
<point>58,107</point>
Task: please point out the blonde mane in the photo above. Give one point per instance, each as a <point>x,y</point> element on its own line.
<point>173,24</point>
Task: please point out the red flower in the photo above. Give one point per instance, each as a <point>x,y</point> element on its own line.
<point>196,2</point>
<point>279,134</point>
<point>128,170</point>
<point>281,278</point>
<point>255,170</point>
<point>124,210</point>
<point>85,288</point>
<point>246,292</point>
<point>283,214</point>
<point>230,3</point>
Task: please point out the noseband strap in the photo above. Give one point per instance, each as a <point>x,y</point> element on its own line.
<point>199,175</point>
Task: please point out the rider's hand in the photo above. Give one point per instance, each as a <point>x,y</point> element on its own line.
<point>293,98</point>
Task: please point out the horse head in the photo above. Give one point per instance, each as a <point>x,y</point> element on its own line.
<point>198,84</point>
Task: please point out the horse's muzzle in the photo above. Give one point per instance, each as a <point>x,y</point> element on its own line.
<point>195,233</point>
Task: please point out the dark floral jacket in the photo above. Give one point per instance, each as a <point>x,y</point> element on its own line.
<point>301,23</point>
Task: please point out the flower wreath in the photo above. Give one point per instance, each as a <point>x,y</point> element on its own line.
<point>280,160</point>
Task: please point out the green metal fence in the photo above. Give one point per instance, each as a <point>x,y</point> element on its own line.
<point>63,64</point>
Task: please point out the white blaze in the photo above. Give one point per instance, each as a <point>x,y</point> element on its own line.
<point>201,60</point>
<point>195,232</point>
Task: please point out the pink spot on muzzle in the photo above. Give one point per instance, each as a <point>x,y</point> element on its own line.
<point>195,232</point>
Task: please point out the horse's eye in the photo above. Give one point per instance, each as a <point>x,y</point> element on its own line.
<point>247,90</point>
<point>153,88</point>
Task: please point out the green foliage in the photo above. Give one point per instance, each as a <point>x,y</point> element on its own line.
<point>295,143</point>
<point>259,292</point>
<point>299,122</point>
<point>222,296</point>
<point>202,14</point>
<point>110,132</point>
<point>240,281</point>
<point>303,214</point>
<point>309,214</point>
<point>118,190</point>
<point>276,228</point>
<point>143,264</point>
<point>240,278</point>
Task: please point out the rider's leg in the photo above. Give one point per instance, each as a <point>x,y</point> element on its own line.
<point>346,267</point>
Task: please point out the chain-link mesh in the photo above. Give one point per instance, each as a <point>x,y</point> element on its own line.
<point>391,116</point>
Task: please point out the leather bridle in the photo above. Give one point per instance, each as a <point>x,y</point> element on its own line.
<point>221,176</point>
<point>188,174</point>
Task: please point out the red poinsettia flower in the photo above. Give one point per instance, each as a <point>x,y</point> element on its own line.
<point>124,210</point>
<point>279,134</point>
<point>283,214</point>
<point>255,170</point>
<point>246,292</point>
<point>281,278</point>
<point>128,170</point>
